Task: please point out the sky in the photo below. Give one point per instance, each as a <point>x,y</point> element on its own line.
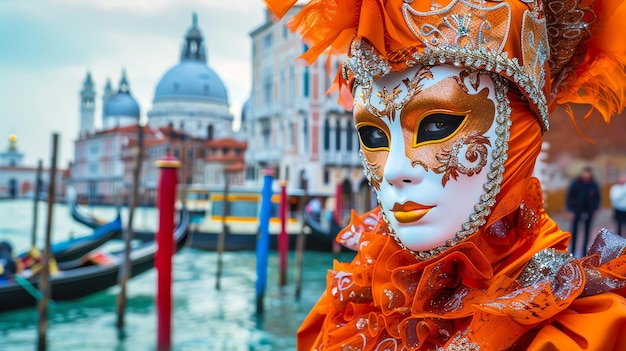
<point>48,46</point>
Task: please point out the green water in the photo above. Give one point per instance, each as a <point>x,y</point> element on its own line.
<point>203,318</point>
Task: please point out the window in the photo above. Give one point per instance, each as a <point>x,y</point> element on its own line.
<point>250,173</point>
<point>267,86</point>
<point>291,131</point>
<point>239,208</point>
<point>306,82</point>
<point>349,137</point>
<point>326,135</point>
<point>337,135</point>
<point>266,131</point>
<point>305,134</point>
<point>268,42</point>
<point>326,176</point>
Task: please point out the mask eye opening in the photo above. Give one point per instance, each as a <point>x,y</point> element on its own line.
<point>372,137</point>
<point>439,126</point>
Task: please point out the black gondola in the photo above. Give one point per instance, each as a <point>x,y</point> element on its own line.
<point>319,231</point>
<point>87,279</point>
<point>75,248</point>
<point>82,218</point>
<point>318,239</point>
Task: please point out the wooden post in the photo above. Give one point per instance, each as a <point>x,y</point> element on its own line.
<point>263,241</point>
<point>125,272</point>
<point>166,198</point>
<point>33,237</point>
<point>222,235</point>
<point>283,238</point>
<point>44,283</point>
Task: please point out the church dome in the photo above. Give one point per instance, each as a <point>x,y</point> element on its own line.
<point>191,79</point>
<point>122,104</point>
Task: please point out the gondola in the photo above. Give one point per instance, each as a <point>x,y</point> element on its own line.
<point>75,248</point>
<point>87,277</point>
<point>316,239</point>
<point>320,233</point>
<point>82,218</point>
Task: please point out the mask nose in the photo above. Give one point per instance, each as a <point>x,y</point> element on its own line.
<point>399,170</point>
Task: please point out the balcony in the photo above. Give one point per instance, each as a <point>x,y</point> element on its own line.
<point>345,158</point>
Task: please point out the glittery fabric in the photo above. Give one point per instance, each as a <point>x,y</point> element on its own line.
<point>493,291</point>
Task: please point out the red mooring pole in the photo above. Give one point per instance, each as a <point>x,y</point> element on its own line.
<point>166,196</point>
<point>283,238</point>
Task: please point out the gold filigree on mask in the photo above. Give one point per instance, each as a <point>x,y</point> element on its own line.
<point>389,100</point>
<point>371,171</point>
<point>476,153</point>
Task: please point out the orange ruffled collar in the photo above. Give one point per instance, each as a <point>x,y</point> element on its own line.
<point>476,293</point>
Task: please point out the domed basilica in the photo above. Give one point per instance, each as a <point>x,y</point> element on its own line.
<point>190,119</point>
<point>191,96</point>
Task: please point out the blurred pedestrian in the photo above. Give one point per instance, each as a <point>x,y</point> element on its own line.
<point>314,208</point>
<point>618,202</point>
<point>583,200</point>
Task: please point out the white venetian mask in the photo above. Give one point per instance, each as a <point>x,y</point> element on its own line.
<point>428,142</point>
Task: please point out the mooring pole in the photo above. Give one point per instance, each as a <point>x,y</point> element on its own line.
<point>263,241</point>
<point>166,198</point>
<point>125,273</point>
<point>33,236</point>
<point>283,238</point>
<point>44,283</point>
<point>222,235</point>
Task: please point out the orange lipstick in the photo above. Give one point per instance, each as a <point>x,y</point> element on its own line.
<point>409,212</point>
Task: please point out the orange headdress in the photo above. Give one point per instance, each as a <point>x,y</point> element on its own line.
<point>554,51</point>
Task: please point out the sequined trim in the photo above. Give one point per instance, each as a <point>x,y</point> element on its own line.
<point>362,54</point>
<point>460,342</point>
<point>543,266</point>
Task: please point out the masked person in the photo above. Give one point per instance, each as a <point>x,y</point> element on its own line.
<point>450,101</point>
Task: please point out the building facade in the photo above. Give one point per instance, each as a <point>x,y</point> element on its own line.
<point>97,173</point>
<point>294,127</point>
<point>18,180</point>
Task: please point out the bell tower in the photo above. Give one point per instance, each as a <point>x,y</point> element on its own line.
<point>87,106</point>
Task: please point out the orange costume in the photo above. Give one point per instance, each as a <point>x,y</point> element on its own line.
<point>505,280</point>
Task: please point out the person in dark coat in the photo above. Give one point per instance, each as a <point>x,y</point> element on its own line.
<point>583,200</point>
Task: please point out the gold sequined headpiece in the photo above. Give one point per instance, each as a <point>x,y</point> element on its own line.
<point>548,49</point>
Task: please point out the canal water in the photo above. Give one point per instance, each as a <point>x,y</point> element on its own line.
<point>203,318</point>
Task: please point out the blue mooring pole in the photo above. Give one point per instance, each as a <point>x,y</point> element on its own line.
<point>263,240</point>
